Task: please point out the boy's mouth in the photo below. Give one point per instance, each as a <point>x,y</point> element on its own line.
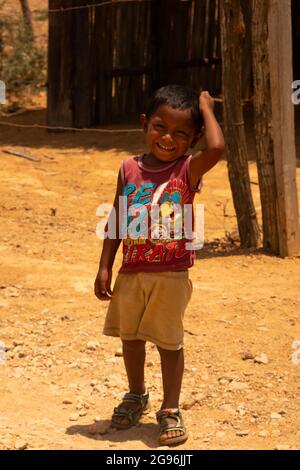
<point>165,148</point>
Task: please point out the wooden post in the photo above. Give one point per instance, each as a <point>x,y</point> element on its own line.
<point>60,63</point>
<point>281,78</point>
<point>263,132</point>
<point>232,29</point>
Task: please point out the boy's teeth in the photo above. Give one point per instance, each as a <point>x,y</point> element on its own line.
<point>166,148</point>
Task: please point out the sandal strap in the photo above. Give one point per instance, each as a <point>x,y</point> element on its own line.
<point>135,397</point>
<point>172,413</point>
<point>169,413</point>
<point>122,412</point>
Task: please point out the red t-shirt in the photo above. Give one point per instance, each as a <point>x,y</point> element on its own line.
<point>156,241</point>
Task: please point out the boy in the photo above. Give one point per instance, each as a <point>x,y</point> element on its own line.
<point>152,289</point>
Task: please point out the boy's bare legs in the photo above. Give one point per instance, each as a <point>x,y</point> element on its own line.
<point>134,360</point>
<point>172,366</point>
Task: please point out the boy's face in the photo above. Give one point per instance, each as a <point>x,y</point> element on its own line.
<point>169,132</point>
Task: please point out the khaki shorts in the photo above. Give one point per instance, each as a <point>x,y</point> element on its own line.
<point>149,307</point>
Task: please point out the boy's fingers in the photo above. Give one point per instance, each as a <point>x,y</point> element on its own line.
<point>101,291</point>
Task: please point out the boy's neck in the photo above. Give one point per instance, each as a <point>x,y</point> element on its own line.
<point>150,160</point>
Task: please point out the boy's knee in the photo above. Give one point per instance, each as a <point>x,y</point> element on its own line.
<point>134,344</point>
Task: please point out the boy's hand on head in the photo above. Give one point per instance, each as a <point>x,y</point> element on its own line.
<point>206,101</point>
<point>102,284</point>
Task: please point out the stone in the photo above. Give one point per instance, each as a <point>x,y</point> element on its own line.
<point>21,445</point>
<point>235,386</point>
<point>261,359</point>
<point>67,402</point>
<point>119,352</point>
<point>242,433</point>
<point>276,416</point>
<point>74,417</point>
<point>264,433</point>
<point>99,427</point>
<point>92,345</point>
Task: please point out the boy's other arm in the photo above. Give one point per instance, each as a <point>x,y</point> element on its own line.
<point>110,247</point>
<point>204,160</point>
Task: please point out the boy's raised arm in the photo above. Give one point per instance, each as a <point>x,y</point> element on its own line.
<point>102,286</point>
<point>204,160</point>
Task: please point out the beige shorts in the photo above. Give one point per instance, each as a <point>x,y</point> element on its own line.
<point>149,307</point>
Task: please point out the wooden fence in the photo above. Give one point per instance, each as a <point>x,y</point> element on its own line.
<point>104,61</point>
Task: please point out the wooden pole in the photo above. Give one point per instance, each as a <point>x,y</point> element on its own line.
<point>263,132</point>
<point>232,30</point>
<point>281,78</point>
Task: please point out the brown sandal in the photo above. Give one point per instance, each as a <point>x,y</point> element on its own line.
<point>132,416</point>
<point>165,427</point>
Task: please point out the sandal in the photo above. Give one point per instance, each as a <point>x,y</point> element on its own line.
<point>132,416</point>
<point>165,427</point>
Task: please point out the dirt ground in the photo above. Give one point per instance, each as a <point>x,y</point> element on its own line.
<point>59,374</point>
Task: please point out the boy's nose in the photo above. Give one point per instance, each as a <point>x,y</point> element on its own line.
<point>168,137</point>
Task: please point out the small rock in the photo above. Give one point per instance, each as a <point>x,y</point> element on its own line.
<point>92,345</point>
<point>264,433</point>
<point>119,352</point>
<point>150,363</point>
<point>74,417</point>
<point>220,434</point>
<point>276,416</point>
<point>98,428</point>
<point>21,445</point>
<point>94,382</point>
<point>237,386</point>
<point>261,359</point>
<point>188,404</point>
<point>247,356</point>
<point>82,413</point>
<point>282,447</point>
<point>224,380</point>
<point>242,433</point>
<point>67,402</point>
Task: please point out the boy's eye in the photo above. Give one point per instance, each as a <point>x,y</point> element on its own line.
<point>159,126</point>
<point>181,133</point>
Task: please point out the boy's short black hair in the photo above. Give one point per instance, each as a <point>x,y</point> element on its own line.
<point>177,97</point>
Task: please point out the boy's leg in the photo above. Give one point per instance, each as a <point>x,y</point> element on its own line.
<point>134,360</point>
<point>172,366</point>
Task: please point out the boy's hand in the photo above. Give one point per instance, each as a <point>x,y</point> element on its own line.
<point>102,284</point>
<point>206,101</point>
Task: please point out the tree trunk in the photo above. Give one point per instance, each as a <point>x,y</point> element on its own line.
<point>263,124</point>
<point>232,32</point>
<point>27,17</point>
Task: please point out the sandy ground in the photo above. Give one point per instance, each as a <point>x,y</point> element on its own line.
<point>60,375</point>
<point>54,384</point>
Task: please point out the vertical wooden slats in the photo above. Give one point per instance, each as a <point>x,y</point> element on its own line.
<point>105,61</point>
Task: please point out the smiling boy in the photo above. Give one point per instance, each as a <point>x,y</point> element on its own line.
<point>153,289</point>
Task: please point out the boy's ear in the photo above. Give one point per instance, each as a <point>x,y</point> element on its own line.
<point>144,121</point>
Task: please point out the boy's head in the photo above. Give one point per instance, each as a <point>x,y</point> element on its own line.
<point>172,122</point>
